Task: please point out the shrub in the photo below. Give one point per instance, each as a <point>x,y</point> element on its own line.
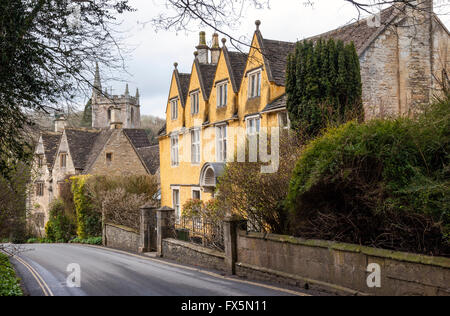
<point>384,183</point>
<point>88,241</point>
<point>9,283</point>
<point>88,217</point>
<point>59,228</point>
<point>258,197</point>
<point>121,197</point>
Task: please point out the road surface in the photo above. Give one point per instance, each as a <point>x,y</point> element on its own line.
<point>104,272</point>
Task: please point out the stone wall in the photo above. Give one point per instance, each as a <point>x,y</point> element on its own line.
<point>189,253</point>
<point>121,237</point>
<point>338,267</point>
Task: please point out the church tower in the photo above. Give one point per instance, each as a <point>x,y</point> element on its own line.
<point>103,103</point>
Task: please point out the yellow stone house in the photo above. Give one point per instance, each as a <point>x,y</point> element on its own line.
<point>225,90</point>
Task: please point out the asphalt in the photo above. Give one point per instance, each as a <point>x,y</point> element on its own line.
<point>43,269</point>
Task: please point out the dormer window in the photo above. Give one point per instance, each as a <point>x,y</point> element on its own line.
<point>254,84</point>
<point>222,95</point>
<point>194,103</point>
<point>174,109</point>
<point>63,160</point>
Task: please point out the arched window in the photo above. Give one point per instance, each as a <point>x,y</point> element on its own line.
<point>132,115</point>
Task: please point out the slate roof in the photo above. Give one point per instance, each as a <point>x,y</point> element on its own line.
<point>278,103</point>
<point>237,62</point>
<point>276,52</point>
<point>81,143</point>
<point>50,142</point>
<point>360,32</point>
<point>183,86</point>
<point>150,157</point>
<point>137,137</point>
<point>206,74</point>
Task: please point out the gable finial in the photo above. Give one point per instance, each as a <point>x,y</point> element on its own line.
<point>175,64</point>
<point>224,41</point>
<point>258,24</point>
<point>196,54</point>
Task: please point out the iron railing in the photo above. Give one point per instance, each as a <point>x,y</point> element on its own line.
<point>201,231</point>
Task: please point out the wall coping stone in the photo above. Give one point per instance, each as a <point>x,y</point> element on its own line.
<point>196,248</point>
<point>374,252</point>
<point>127,229</point>
<point>320,284</point>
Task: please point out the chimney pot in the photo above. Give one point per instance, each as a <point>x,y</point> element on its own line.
<point>215,49</point>
<point>202,49</point>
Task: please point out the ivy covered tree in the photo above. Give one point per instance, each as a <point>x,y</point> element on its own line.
<point>323,85</point>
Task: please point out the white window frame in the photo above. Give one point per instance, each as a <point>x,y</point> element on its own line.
<point>221,143</point>
<point>195,105</point>
<point>195,147</point>
<point>174,109</point>
<point>253,125</point>
<point>288,126</point>
<point>174,150</point>
<point>254,84</point>
<point>222,94</point>
<point>176,206</point>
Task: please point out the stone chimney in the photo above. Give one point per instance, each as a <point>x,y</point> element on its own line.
<point>215,49</point>
<point>60,123</point>
<point>203,49</point>
<point>116,121</point>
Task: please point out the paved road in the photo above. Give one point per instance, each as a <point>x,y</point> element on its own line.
<point>43,269</point>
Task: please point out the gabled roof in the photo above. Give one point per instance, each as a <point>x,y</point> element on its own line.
<point>50,141</point>
<point>206,73</point>
<point>360,32</point>
<point>137,137</point>
<point>236,63</point>
<point>80,142</point>
<point>150,158</point>
<point>97,148</point>
<point>183,85</point>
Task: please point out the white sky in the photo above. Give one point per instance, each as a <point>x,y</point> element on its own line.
<point>150,64</point>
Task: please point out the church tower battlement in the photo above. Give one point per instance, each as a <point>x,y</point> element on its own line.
<point>103,103</point>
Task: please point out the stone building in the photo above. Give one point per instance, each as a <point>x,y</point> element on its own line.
<point>112,149</point>
<point>103,103</point>
<point>404,54</point>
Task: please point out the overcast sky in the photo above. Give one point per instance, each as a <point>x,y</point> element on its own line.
<point>150,64</point>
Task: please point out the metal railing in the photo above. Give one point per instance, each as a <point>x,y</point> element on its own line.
<point>201,231</point>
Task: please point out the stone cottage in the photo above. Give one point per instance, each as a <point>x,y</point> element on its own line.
<point>110,150</point>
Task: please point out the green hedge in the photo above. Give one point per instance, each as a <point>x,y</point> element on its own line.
<point>88,218</point>
<point>385,183</point>
<point>9,283</point>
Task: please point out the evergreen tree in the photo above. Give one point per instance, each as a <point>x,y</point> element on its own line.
<point>87,115</point>
<point>323,85</point>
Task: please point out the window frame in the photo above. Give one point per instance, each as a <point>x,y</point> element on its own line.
<point>40,186</point>
<point>174,109</point>
<point>195,102</point>
<point>196,146</point>
<point>199,193</point>
<point>176,206</point>
<point>40,160</point>
<point>288,125</point>
<point>63,158</point>
<point>257,127</point>
<point>254,91</point>
<point>221,143</point>
<point>174,150</point>
<point>222,94</point>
